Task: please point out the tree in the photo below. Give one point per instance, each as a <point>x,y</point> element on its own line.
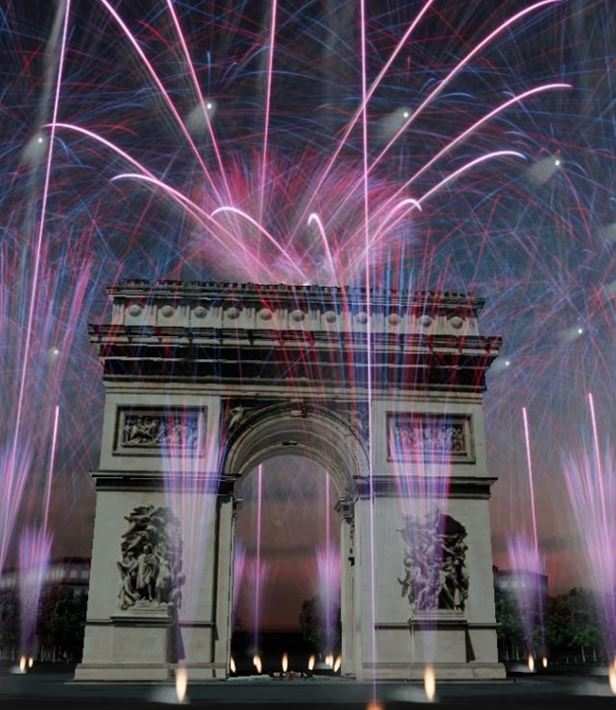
<point>61,624</point>
<point>509,631</point>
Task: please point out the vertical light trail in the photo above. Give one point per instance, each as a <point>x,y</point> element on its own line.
<point>595,437</point>
<point>455,71</point>
<point>268,98</point>
<point>52,458</point>
<point>314,217</point>
<point>364,121</point>
<point>531,484</point>
<point>195,80</point>
<point>328,575</point>
<point>258,558</point>
<point>365,98</point>
<point>164,93</point>
<point>39,238</point>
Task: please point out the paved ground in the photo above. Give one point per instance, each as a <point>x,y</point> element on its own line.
<point>40,690</point>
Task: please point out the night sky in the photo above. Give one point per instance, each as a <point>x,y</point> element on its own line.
<point>536,236</point>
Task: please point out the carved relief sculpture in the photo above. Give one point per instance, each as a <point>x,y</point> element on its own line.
<point>435,563</point>
<point>151,565</point>
<point>160,430</point>
<point>429,437</point>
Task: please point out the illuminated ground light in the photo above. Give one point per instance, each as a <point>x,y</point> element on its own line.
<point>337,664</point>
<point>557,162</point>
<point>612,677</point>
<point>507,363</point>
<point>544,662</point>
<point>429,683</point>
<point>232,666</point>
<point>256,662</point>
<point>285,663</point>
<point>580,331</point>
<point>406,114</point>
<point>375,706</point>
<point>531,663</point>
<point>23,664</point>
<point>329,660</point>
<point>311,662</point>
<point>181,683</point>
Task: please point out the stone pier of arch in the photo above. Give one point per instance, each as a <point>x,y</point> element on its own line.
<point>336,375</point>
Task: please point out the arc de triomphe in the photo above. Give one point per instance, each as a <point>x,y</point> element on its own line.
<point>225,376</point>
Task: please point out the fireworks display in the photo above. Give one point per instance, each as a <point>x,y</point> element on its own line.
<point>422,144</point>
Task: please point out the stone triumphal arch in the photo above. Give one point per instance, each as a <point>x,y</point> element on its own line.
<point>384,390</point>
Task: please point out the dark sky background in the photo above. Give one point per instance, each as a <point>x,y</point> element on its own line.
<point>536,239</point>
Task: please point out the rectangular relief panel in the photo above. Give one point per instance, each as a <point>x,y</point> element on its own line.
<point>437,438</point>
<point>150,431</point>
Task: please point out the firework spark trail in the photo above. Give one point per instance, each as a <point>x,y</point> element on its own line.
<point>417,204</point>
<point>191,483</point>
<point>595,438</point>
<point>268,98</point>
<point>315,219</point>
<point>164,93</point>
<point>202,102</point>
<point>452,74</point>
<point>199,214</point>
<point>596,532</point>
<point>258,580</point>
<point>456,141</point>
<point>531,483</point>
<point>34,557</point>
<point>455,71</point>
<point>39,241</point>
<point>52,459</point>
<point>266,234</point>
<point>366,96</point>
<point>367,285</point>
<point>524,559</point>
<point>15,467</point>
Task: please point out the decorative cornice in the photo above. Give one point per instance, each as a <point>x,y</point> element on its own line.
<point>335,296</point>
<point>424,486</point>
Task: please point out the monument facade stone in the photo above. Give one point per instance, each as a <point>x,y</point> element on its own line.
<point>223,376</point>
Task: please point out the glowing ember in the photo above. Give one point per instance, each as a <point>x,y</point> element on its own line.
<point>429,683</point>
<point>612,677</point>
<point>256,662</point>
<point>311,662</point>
<point>285,663</point>
<point>232,666</point>
<point>531,663</point>
<point>181,683</point>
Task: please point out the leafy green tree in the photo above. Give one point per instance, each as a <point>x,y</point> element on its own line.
<point>509,631</point>
<point>61,623</point>
<point>9,625</point>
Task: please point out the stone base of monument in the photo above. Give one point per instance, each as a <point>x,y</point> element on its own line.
<point>443,639</point>
<point>138,641</point>
<point>442,671</point>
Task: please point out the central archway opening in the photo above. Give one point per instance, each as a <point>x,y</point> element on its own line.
<point>287,568</point>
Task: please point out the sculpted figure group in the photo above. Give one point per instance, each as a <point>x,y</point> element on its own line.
<point>435,563</point>
<point>151,565</point>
